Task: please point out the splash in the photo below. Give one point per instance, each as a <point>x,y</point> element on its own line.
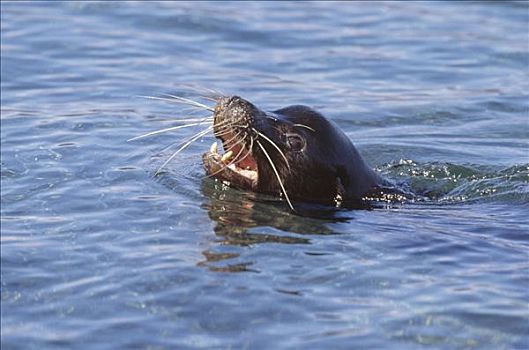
<point>448,182</point>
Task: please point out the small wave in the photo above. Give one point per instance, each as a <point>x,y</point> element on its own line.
<point>448,182</point>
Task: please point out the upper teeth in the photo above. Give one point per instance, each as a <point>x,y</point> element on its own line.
<point>226,157</point>
<point>213,148</point>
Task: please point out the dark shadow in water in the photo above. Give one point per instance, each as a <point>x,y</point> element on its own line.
<point>211,258</point>
<point>237,212</point>
<point>244,218</point>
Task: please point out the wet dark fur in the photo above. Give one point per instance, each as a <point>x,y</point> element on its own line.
<point>327,169</point>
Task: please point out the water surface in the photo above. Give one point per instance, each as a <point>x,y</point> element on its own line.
<point>98,253</point>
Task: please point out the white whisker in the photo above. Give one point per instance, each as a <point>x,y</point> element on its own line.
<point>224,130</point>
<point>273,144</point>
<point>180,143</point>
<point>235,144</point>
<point>305,126</point>
<point>179,100</point>
<point>233,138</point>
<point>202,119</point>
<point>247,154</point>
<point>156,132</point>
<point>239,125</point>
<point>201,89</point>
<point>190,102</point>
<point>199,135</point>
<point>277,174</point>
<point>210,98</point>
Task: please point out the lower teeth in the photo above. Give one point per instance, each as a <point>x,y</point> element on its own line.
<point>227,156</point>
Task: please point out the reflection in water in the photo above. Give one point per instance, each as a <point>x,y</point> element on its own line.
<point>212,257</point>
<point>245,218</point>
<point>236,212</point>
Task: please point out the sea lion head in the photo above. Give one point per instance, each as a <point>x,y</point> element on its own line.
<point>293,152</point>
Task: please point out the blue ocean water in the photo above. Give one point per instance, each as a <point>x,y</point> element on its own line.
<point>97,253</point>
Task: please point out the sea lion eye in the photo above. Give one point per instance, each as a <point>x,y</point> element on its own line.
<point>295,142</point>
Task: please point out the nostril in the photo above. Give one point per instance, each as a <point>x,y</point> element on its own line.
<point>237,99</point>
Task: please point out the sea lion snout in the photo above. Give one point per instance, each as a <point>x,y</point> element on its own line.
<point>235,109</point>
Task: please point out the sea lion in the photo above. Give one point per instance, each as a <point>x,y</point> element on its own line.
<point>293,152</point>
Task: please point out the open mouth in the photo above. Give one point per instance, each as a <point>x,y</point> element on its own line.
<point>236,157</point>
